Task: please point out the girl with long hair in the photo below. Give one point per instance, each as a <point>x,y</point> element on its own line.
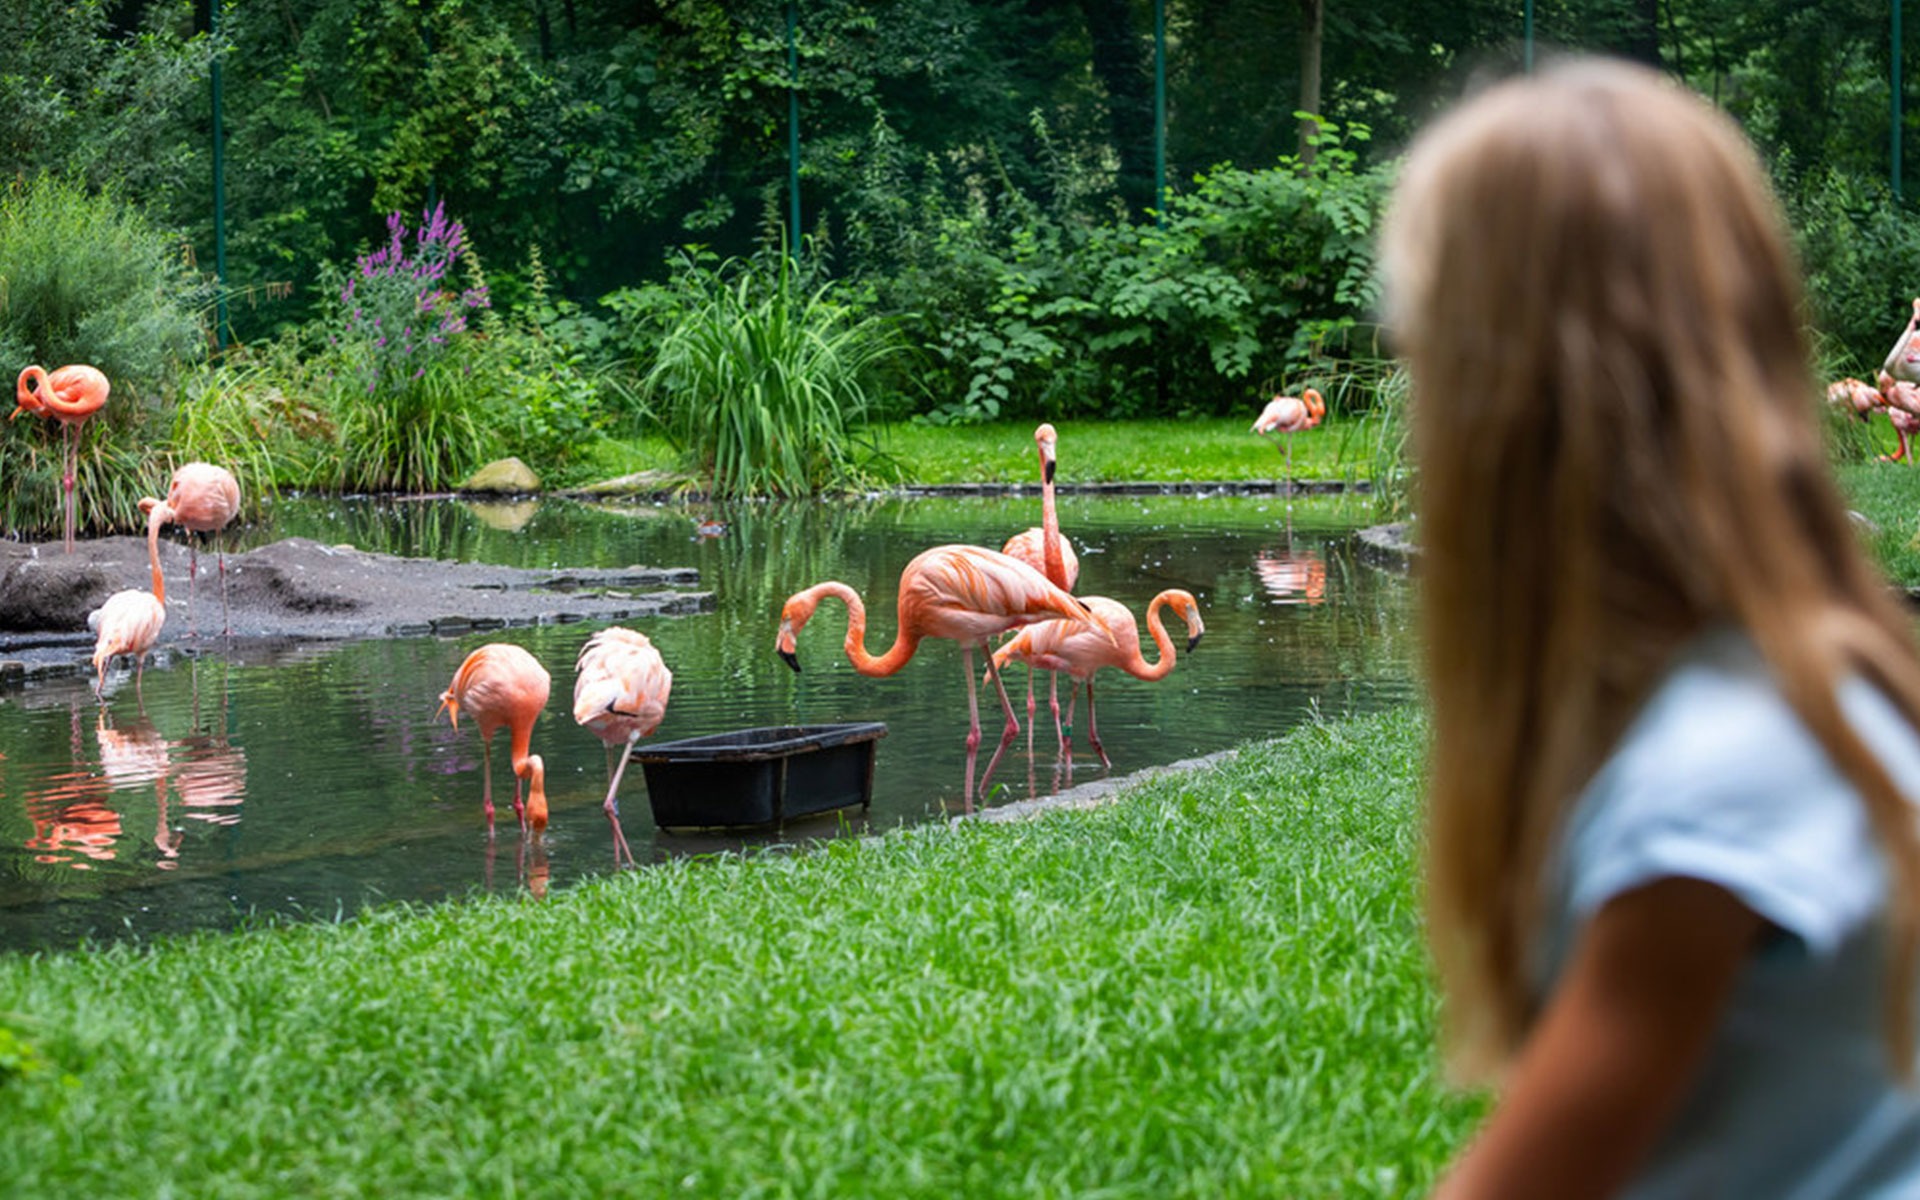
<point>1673,860</point>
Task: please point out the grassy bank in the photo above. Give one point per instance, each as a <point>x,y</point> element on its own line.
<point>1888,495</point>
<point>1213,987</point>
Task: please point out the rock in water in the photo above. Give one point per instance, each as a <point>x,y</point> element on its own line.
<point>504,476</point>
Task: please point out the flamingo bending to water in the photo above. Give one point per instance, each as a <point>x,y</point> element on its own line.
<point>1081,652</point>
<point>966,594</point>
<point>130,622</point>
<point>202,499</point>
<point>69,395</point>
<point>620,691</point>
<point>501,684</point>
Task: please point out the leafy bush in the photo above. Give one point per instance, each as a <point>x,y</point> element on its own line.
<point>765,386</point>
<point>1855,245</point>
<point>260,411</point>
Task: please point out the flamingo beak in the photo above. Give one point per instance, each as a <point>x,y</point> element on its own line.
<point>791,659</point>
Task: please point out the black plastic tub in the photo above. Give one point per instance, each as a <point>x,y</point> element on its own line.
<point>760,776</point>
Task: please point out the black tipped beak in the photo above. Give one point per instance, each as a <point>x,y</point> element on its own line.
<point>1194,642</point>
<point>791,659</point>
<point>1047,473</point>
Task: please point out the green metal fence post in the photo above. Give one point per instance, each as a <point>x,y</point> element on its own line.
<point>1160,112</point>
<point>220,330</point>
<point>793,131</point>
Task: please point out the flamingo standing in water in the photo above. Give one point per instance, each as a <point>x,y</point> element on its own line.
<point>1290,415</point>
<point>620,691</point>
<point>964,593</point>
<point>501,684</point>
<point>202,499</point>
<point>130,622</point>
<point>70,395</point>
<point>1041,547</point>
<point>1080,652</point>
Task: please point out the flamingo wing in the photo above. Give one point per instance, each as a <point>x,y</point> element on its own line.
<point>621,685</point>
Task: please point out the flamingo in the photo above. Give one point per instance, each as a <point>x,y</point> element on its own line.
<point>70,395</point>
<point>130,622</point>
<point>1082,651</point>
<point>620,691</point>
<point>201,498</point>
<point>964,593</point>
<point>501,684</point>
<point>1041,547</point>
<point>1291,415</point>
<point>1903,361</point>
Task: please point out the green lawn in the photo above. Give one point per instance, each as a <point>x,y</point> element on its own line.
<point>1212,988</point>
<point>1888,495</point>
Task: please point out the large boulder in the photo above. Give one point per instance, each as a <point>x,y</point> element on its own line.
<point>51,594</point>
<point>505,477</point>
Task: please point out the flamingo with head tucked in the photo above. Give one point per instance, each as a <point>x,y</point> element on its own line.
<point>966,594</point>
<point>501,684</point>
<point>69,395</point>
<point>1290,415</point>
<point>620,691</point>
<point>1113,642</point>
<point>202,499</point>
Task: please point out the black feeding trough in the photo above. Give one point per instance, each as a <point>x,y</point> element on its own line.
<point>760,776</point>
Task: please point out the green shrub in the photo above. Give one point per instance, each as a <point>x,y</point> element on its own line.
<point>766,387</point>
<point>1855,244</point>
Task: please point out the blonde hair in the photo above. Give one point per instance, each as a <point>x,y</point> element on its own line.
<point>1614,425</point>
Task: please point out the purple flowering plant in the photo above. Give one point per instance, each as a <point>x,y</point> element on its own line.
<point>399,309</point>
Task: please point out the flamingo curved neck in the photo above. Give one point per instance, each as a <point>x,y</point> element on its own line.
<point>156,518</point>
<point>1141,669</point>
<point>904,641</point>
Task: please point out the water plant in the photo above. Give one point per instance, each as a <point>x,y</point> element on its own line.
<point>766,385</point>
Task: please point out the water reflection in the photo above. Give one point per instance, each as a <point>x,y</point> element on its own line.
<point>312,777</point>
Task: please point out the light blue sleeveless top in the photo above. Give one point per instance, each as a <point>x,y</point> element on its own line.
<point>1717,779</point>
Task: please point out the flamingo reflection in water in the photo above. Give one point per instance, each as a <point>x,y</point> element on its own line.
<point>133,754</point>
<point>1292,576</point>
<point>1081,653</point>
<point>965,594</point>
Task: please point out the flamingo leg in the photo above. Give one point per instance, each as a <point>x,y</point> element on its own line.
<point>519,806</point>
<point>1029,706</point>
<point>486,782</point>
<point>72,456</point>
<point>620,847</point>
<point>1053,699</point>
<point>973,724</point>
<point>226,619</point>
<point>1093,728</point>
<point>193,573</point>
<point>1010,731</point>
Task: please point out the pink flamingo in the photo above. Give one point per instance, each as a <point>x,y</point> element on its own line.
<point>1291,415</point>
<point>620,691</point>
<point>1041,547</point>
<point>129,623</point>
<point>70,395</point>
<point>202,499</point>
<point>1080,652</point>
<point>1903,361</point>
<point>501,684</point>
<point>964,593</point>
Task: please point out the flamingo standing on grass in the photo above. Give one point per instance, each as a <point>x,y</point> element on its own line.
<point>202,499</point>
<point>69,395</point>
<point>1079,652</point>
<point>501,684</point>
<point>1290,415</point>
<point>130,622</point>
<point>620,691</point>
<point>1041,547</point>
<point>967,594</point>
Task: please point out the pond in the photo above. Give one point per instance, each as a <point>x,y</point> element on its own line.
<point>314,780</point>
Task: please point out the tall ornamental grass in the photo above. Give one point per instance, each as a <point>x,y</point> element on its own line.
<point>766,387</point>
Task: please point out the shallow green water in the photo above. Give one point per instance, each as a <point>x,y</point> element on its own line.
<point>316,780</point>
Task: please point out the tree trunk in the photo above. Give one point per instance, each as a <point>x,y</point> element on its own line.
<point>1122,61</point>
<point>1312,34</point>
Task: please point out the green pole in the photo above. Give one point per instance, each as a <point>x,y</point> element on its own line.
<point>793,131</point>
<point>1160,112</point>
<point>1893,132</point>
<point>220,330</point>
<point>1529,36</point>
<point>426,34</point>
